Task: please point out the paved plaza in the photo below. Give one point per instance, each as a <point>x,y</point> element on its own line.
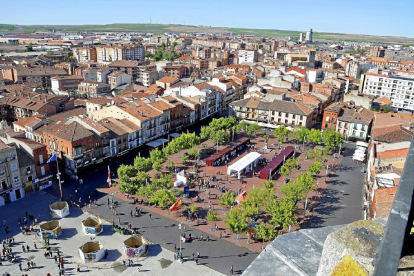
<point>158,262</point>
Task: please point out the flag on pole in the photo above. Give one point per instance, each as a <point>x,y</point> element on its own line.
<point>176,205</point>
<point>109,177</point>
<point>51,159</point>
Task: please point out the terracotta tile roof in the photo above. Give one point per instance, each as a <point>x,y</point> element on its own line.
<point>24,121</point>
<point>391,134</point>
<point>167,79</point>
<point>115,126</point>
<point>30,143</point>
<point>130,124</point>
<point>66,114</point>
<point>101,101</point>
<point>390,154</point>
<point>383,101</point>
<point>297,69</point>
<point>160,105</point>
<point>203,85</point>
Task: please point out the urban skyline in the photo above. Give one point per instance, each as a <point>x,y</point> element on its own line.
<point>270,15</point>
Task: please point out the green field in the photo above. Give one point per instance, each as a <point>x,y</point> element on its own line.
<point>160,29</point>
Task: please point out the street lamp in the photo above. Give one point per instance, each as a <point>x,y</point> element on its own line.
<point>180,226</point>
<point>326,172</point>
<point>113,209</point>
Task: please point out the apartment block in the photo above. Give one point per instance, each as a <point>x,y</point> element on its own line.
<point>246,56</point>
<point>398,89</point>
<point>84,54</point>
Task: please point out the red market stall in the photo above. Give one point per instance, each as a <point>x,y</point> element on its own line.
<point>276,163</point>
<point>225,154</point>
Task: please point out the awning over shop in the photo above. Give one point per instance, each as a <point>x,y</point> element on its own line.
<point>157,143</point>
<point>175,135</point>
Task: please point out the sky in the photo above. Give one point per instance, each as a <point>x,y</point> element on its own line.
<point>374,17</point>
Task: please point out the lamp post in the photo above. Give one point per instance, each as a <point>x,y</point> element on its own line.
<point>180,226</point>
<point>113,209</point>
<point>326,172</point>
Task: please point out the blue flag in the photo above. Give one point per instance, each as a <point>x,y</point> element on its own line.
<point>51,159</point>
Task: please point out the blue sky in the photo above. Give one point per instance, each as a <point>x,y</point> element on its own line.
<point>376,17</point>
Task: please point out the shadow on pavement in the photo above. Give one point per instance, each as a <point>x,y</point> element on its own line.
<point>155,249</point>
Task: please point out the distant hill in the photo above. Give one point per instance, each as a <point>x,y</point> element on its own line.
<point>163,28</point>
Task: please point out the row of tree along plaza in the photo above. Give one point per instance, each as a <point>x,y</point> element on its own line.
<point>232,181</point>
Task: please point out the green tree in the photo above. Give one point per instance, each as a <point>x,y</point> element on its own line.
<point>174,44</point>
<point>261,232</point>
<point>157,166</point>
<point>269,185</point>
<point>193,208</point>
<point>205,132</point>
<point>236,221</point>
<point>163,45</point>
<point>227,199</point>
<point>314,136</point>
<point>29,48</point>
<point>142,163</point>
<point>49,53</point>
<point>282,212</point>
<point>266,137</point>
<point>194,152</point>
<point>126,170</point>
<point>332,139</point>
<point>184,158</point>
<point>162,198</point>
<point>281,133</point>
<point>212,217</point>
<point>253,127</point>
<point>171,165</point>
<point>157,156</point>
<point>301,133</point>
<point>220,137</point>
<point>163,181</point>
<point>315,167</point>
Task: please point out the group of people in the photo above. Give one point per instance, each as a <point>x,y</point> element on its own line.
<point>7,251</point>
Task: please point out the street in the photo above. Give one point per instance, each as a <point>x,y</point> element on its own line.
<point>336,207</point>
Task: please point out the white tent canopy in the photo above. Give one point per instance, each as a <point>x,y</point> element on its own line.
<point>359,158</point>
<point>247,162</point>
<point>157,143</point>
<point>362,144</point>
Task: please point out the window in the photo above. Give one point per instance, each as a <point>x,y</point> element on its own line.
<point>363,127</point>
<point>28,170</point>
<point>326,125</point>
<point>355,126</point>
<point>83,148</point>
<point>353,133</point>
<point>30,178</point>
<point>16,179</point>
<point>361,134</point>
<point>327,119</point>
<point>333,120</point>
<point>90,145</point>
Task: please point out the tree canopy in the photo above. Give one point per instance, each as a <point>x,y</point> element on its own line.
<point>331,138</point>
<point>281,132</point>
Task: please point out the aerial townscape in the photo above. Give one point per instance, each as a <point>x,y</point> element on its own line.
<point>188,149</point>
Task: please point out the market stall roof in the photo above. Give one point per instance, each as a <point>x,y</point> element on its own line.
<point>362,144</point>
<point>358,157</point>
<point>175,135</point>
<point>244,162</point>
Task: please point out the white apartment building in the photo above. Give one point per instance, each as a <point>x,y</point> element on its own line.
<point>399,90</point>
<point>246,56</point>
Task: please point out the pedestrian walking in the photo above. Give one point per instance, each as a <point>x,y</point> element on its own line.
<point>231,270</point>
<point>35,246</point>
<point>78,268</point>
<point>175,247</point>
<point>23,248</point>
<point>32,264</point>
<point>56,259</point>
<point>248,240</point>
<point>28,265</point>
<point>131,213</point>
<point>198,255</point>
<point>20,267</point>
<point>6,229</point>
<point>150,216</point>
<point>28,248</point>
<point>119,221</point>
<point>193,255</point>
